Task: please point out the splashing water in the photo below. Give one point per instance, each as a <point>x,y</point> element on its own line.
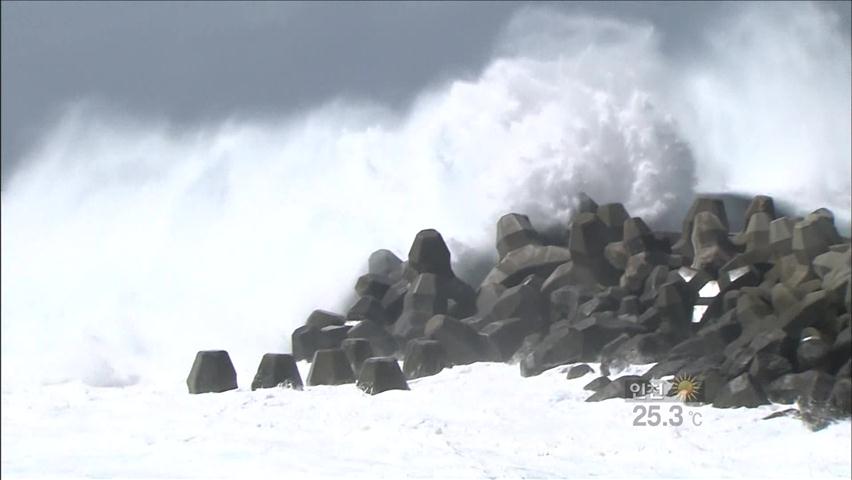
<point>127,245</point>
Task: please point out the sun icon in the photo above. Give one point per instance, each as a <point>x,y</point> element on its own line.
<point>686,387</point>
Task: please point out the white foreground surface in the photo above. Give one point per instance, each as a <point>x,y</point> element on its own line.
<point>480,421</point>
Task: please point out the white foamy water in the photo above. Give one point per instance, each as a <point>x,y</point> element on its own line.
<point>478,421</point>
<point>127,245</point>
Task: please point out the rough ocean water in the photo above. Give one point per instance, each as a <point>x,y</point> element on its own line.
<point>477,421</point>
<point>128,245</point>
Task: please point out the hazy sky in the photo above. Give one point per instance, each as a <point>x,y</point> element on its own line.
<point>189,62</point>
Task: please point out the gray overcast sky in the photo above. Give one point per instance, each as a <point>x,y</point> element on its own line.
<point>188,62</point>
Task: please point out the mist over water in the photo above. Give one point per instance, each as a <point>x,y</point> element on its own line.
<point>128,245</point>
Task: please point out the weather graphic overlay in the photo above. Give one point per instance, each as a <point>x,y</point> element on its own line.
<point>680,391</point>
<point>686,387</point>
